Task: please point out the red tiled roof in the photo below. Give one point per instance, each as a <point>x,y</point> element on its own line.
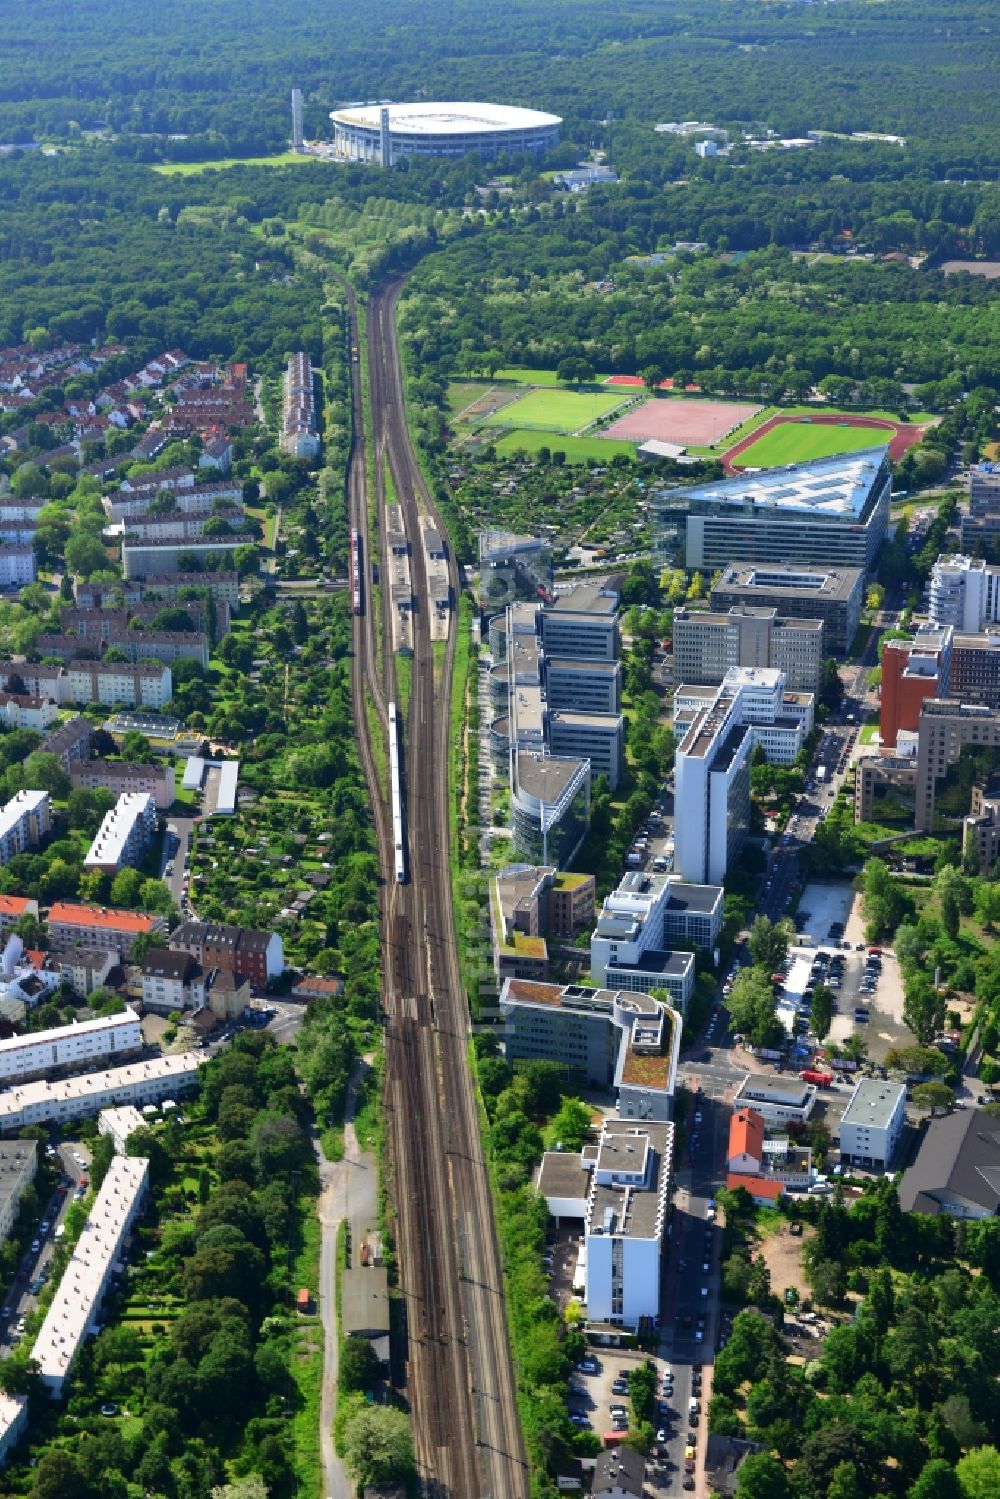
<point>746,1134</point>
<point>13,905</point>
<point>757,1186</point>
<point>70,914</point>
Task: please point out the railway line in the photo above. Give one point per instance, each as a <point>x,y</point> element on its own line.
<point>459,1373</point>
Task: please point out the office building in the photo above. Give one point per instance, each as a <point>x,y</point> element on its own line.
<point>24,822</point>
<point>79,1097</point>
<point>712,765</point>
<point>512,567</point>
<point>912,670</point>
<point>778,1099</point>
<point>964,592</point>
<point>625,1040</point>
<point>981,829</point>
<point>980,528</point>
<point>120,777</point>
<point>948,728</point>
<point>829,512</point>
<point>872,1124</point>
<point>707,645</point>
<point>38,1053</point>
<point>975,668</point>
<point>120,1123</point>
<point>550,807</point>
<point>74,1307</point>
<point>527,905</point>
<point>833,594</point>
<point>581,624</point>
<point>597,737</point>
<point>885,789</point>
<point>18,1164</point>
<point>626,1221</point>
<point>125,834</point>
<point>631,944</point>
<point>582,686</point>
<point>957,1168</point>
<point>98,927</point>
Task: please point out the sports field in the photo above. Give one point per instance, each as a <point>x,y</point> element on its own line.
<point>577,449</point>
<point>557,410</point>
<point>792,437</point>
<point>189,168</point>
<point>799,441</point>
<point>689,423</point>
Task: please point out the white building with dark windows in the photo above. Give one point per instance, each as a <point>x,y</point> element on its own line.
<point>872,1123</point>
<point>964,592</point>
<point>631,945</point>
<point>833,511</point>
<point>24,822</point>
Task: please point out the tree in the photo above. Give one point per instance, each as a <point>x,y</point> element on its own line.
<point>44,772</point>
<point>359,1365</point>
<point>761,1476</point>
<point>85,555</point>
<point>768,943</point>
<point>883,900</point>
<point>845,1484</point>
<point>823,1006</point>
<point>377,1445</point>
<point>251,1487</point>
<point>933,1096</point>
<point>573,1125</point>
<point>938,1480</point>
<point>59,1476</point>
<point>117,1347</point>
<point>986,899</point>
<point>951,891</point>
<point>923,1006</point>
<point>978,1474</point>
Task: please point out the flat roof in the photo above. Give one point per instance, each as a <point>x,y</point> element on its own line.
<point>364,1294</point>
<point>824,584</point>
<point>546,777</point>
<point>628,1210</point>
<point>15,1157</point>
<point>59,1033</point>
<point>828,489</point>
<point>700,898</point>
<point>83,1281</point>
<point>584,598</point>
<point>606,723</point>
<point>177,1066</point>
<point>768,1085</point>
<point>657,961</point>
<point>873,1103</point>
<point>445,119</point>
<point>122,1121</point>
<point>565,1173</point>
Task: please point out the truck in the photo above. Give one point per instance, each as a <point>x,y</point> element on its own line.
<point>819,1079</point>
<point>821,772</point>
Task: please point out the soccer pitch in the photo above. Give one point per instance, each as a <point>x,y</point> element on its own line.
<point>798,442</point>
<point>557,410</point>
<point>577,449</point>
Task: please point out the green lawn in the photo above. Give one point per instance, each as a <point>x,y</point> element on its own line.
<point>188,168</point>
<point>529,377</point>
<point>799,441</point>
<point>462,393</point>
<point>557,410</point>
<point>577,449</point>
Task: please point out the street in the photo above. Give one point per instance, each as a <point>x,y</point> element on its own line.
<point>20,1299</point>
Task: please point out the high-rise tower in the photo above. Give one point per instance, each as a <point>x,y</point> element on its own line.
<point>296,119</point>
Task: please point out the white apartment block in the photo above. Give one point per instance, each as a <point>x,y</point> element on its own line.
<point>872,1123</point>
<point>13,1420</point>
<point>18,1164</point>
<point>124,835</point>
<point>17,565</point>
<point>84,1282</point>
<point>120,1123</point>
<point>139,1083</point>
<point>70,1045</point>
<point>24,822</point>
<point>964,593</point>
<point>718,731</point>
<point>81,682</point>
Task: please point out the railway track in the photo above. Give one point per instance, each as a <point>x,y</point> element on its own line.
<point>460,1377</point>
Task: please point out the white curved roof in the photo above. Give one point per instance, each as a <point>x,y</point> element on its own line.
<point>446,119</point>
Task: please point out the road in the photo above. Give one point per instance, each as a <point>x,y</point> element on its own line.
<point>459,1373</point>
<point>348,1189</point>
<point>19,1299</point>
<point>176,852</point>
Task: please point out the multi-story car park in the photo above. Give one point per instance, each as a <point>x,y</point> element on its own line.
<point>85,1280</point>
<point>833,594</point>
<point>831,512</point>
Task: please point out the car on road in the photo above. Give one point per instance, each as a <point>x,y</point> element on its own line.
<point>577,1418</point>
<point>661,1435</point>
<point>36,1245</point>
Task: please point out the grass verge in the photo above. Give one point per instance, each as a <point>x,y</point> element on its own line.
<point>378,743</point>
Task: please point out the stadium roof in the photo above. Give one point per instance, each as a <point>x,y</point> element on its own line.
<point>445,119</point>
<point>827,487</point>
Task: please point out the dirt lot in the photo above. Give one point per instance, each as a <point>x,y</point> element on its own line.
<point>783,1256</point>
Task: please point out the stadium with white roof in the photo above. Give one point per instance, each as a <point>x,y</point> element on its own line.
<point>384,133</point>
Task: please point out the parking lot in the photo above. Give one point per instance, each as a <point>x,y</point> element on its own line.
<point>885,1027</point>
